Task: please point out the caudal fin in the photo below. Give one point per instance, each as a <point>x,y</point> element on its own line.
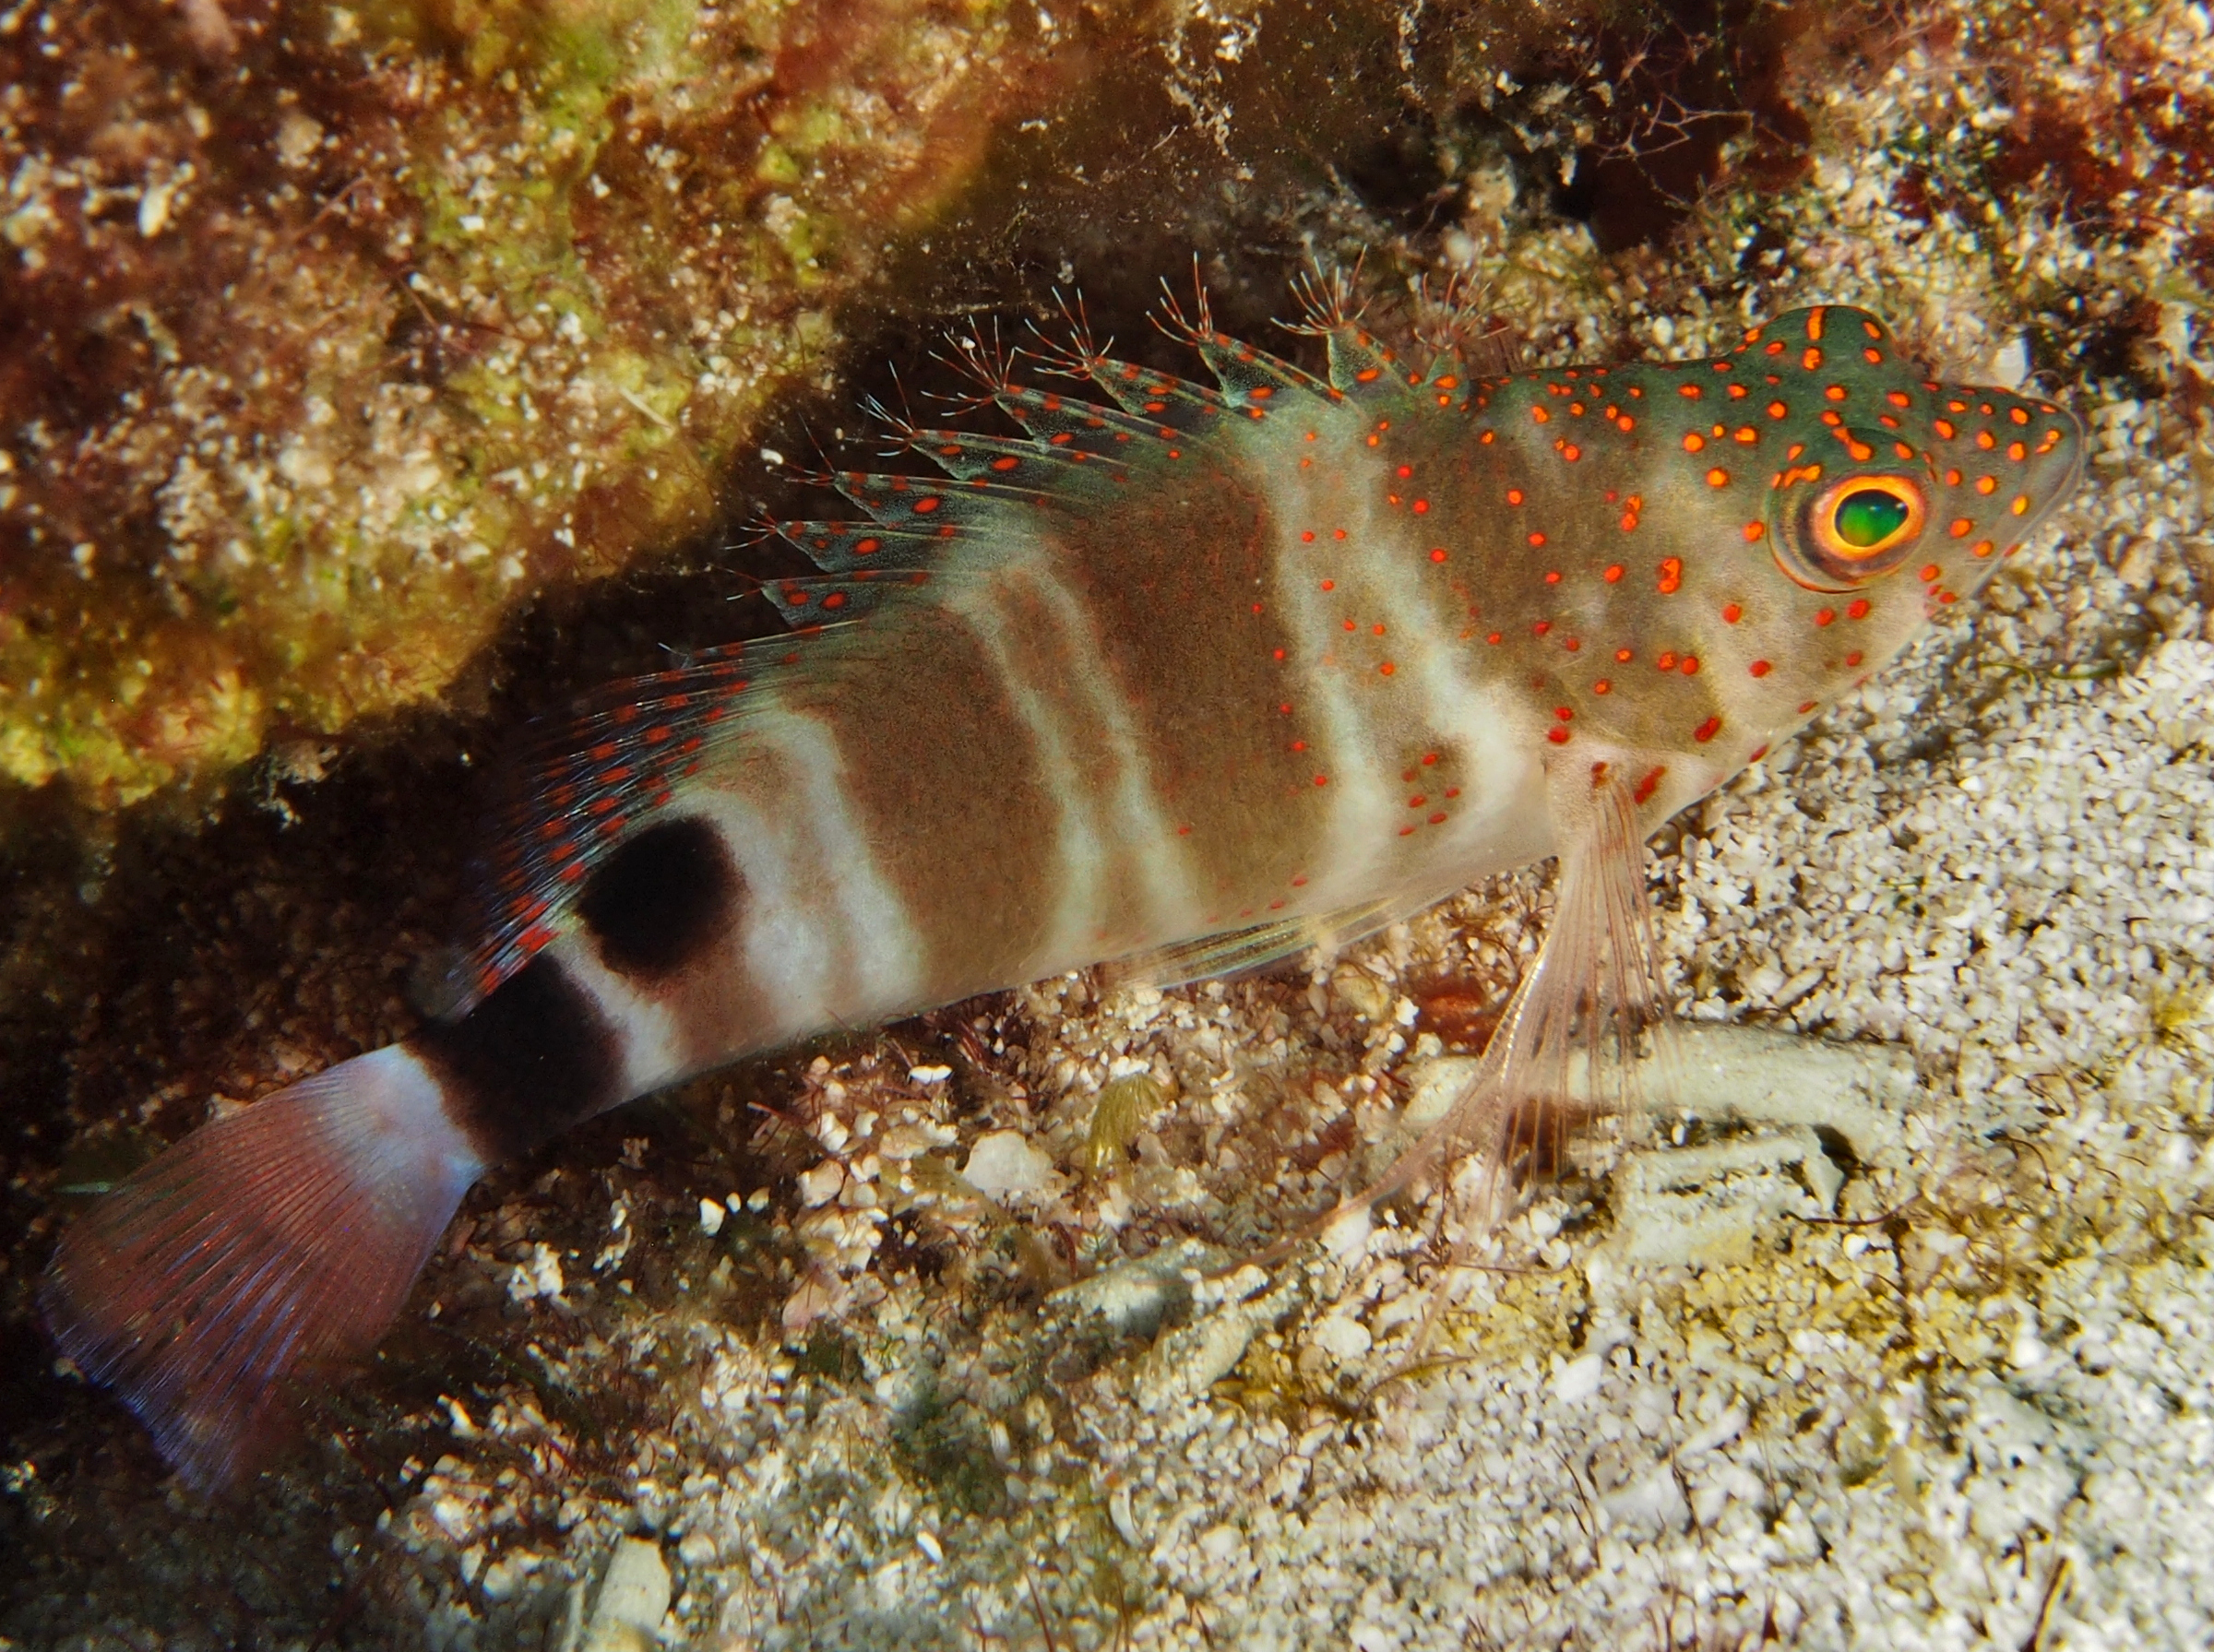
<point>276,1242</point>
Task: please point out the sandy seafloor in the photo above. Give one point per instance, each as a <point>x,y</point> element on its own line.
<point>1907,1345</point>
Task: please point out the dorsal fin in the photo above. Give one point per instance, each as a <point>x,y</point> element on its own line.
<point>1360,365</point>
<point>581,782</point>
<point>816,600</point>
<point>1251,378</point>
<point>923,507</point>
<point>1176,405</point>
<point>578,781</point>
<point>1080,431</point>
<point>1020,461</point>
<point>848,547</point>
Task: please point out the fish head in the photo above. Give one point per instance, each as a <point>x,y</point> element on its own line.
<point>1825,499</point>
<point>1891,480</point>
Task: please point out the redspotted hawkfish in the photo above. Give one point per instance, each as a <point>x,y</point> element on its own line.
<point>1185,677</point>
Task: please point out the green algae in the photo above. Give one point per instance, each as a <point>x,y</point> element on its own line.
<point>528,279</point>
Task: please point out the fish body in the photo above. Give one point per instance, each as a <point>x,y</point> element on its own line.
<point>1184,677</point>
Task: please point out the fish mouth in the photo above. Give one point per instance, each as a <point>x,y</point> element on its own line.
<point>2053,439</point>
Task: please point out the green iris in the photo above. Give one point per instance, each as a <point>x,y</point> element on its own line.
<point>1869,516</point>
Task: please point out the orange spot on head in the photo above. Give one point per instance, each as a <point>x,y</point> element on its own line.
<point>1731,613</point>
<point>1718,477</point>
<point>1760,668</point>
<point>1692,441</point>
<point>1754,531</point>
<point>1707,730</point>
<point>1612,573</point>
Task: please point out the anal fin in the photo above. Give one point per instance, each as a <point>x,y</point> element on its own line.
<point>1237,950</point>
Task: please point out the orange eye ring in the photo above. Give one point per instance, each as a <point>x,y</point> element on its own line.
<point>1860,520</point>
<point>1858,529</point>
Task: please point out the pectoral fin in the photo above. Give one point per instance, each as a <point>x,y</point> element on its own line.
<point>1566,1048</point>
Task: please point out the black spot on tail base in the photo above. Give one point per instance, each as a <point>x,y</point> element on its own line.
<point>661,898</point>
<point>528,1063</point>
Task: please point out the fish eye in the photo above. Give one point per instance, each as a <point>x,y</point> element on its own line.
<point>1864,521</point>
<point>1856,529</point>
